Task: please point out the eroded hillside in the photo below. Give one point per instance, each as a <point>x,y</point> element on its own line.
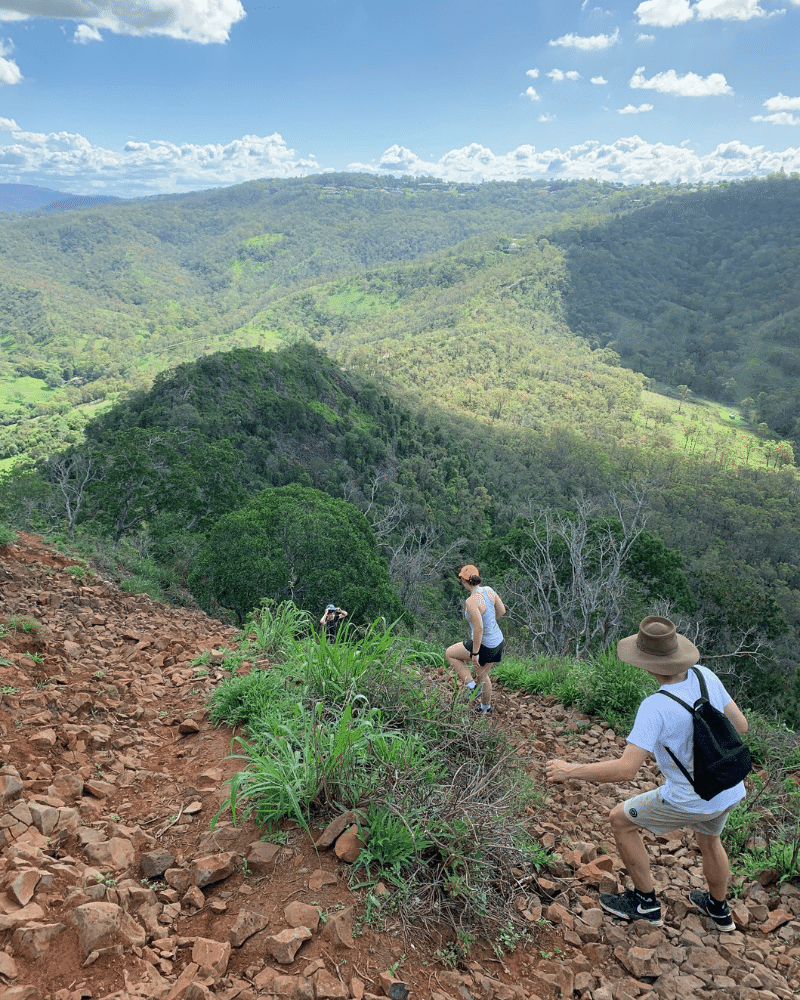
<point>115,886</point>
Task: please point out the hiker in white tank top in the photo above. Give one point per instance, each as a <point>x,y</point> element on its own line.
<point>485,647</point>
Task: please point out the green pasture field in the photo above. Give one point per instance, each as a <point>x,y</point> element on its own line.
<point>704,428</point>
<point>24,390</point>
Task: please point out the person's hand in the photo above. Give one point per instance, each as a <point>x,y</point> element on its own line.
<point>559,770</point>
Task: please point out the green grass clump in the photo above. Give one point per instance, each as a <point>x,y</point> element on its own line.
<point>545,676</point>
<point>356,724</point>
<point>603,685</point>
<point>273,630</point>
<point>612,690</point>
<point>240,701</point>
<point>7,536</point>
<point>763,831</point>
<point>24,623</point>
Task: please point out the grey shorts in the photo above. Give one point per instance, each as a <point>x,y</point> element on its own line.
<point>654,814</point>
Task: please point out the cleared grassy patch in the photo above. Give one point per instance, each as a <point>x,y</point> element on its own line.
<point>24,390</point>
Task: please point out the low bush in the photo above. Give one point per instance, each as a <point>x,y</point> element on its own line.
<point>337,724</point>
<point>602,685</point>
<point>612,690</point>
<point>24,623</point>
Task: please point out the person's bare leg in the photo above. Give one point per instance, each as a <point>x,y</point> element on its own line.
<point>716,867</point>
<point>457,656</point>
<point>483,679</point>
<point>631,849</point>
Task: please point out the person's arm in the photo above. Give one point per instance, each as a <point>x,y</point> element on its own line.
<point>342,612</point>
<point>499,607</point>
<point>477,622</point>
<point>624,768</point>
<point>735,714</point>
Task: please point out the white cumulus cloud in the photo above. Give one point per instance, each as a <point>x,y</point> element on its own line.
<point>547,117</point>
<point>688,85</point>
<point>631,109</point>
<point>587,43</point>
<point>669,13</point>
<point>85,34</point>
<point>201,21</point>
<point>531,94</point>
<point>532,73</point>
<point>664,13</point>
<point>9,71</point>
<point>641,37</point>
<point>778,118</point>
<point>729,10</point>
<point>599,81</point>
<point>782,102</point>
<point>69,161</point>
<point>629,161</point>
<point>558,75</point>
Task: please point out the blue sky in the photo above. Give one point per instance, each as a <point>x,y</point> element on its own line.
<point>131,97</point>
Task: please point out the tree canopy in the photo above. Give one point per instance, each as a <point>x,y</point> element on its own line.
<point>294,543</point>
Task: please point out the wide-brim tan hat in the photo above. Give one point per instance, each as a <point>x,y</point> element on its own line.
<point>658,648</point>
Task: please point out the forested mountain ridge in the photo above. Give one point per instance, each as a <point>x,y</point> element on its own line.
<point>702,291</point>
<point>105,293</point>
<point>15,198</point>
<point>160,470</point>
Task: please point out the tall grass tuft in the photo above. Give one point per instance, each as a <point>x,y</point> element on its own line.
<point>357,723</point>
<point>273,630</point>
<point>611,689</point>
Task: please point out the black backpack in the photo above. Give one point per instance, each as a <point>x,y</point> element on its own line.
<point>721,758</point>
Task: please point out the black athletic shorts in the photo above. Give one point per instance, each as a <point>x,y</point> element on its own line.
<point>485,655</point>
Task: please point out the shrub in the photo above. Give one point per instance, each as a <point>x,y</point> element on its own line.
<point>613,690</point>
<point>7,536</point>
<point>274,629</point>
<point>24,623</point>
<point>294,543</point>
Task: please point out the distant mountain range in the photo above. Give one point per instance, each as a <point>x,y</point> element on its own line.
<point>17,198</point>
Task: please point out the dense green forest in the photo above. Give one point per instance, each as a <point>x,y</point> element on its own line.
<point>95,302</point>
<point>702,290</point>
<point>459,363</point>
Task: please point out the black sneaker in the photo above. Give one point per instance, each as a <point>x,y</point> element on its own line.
<point>720,913</point>
<point>484,709</point>
<point>629,906</point>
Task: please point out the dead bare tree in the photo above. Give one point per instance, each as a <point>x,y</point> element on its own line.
<point>568,588</point>
<point>71,475</point>
<point>417,560</point>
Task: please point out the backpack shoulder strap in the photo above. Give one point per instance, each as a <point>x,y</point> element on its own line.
<point>701,680</point>
<point>690,710</point>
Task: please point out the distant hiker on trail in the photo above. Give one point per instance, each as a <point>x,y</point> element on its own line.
<point>331,619</point>
<point>665,728</point>
<point>485,647</point>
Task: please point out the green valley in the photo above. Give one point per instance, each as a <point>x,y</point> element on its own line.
<point>460,363</point>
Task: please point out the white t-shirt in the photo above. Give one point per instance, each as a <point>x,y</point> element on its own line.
<point>660,723</point>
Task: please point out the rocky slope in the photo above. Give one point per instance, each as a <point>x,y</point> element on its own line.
<point>114,885</point>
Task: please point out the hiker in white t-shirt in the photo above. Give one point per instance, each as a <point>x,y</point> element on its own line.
<point>660,723</point>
